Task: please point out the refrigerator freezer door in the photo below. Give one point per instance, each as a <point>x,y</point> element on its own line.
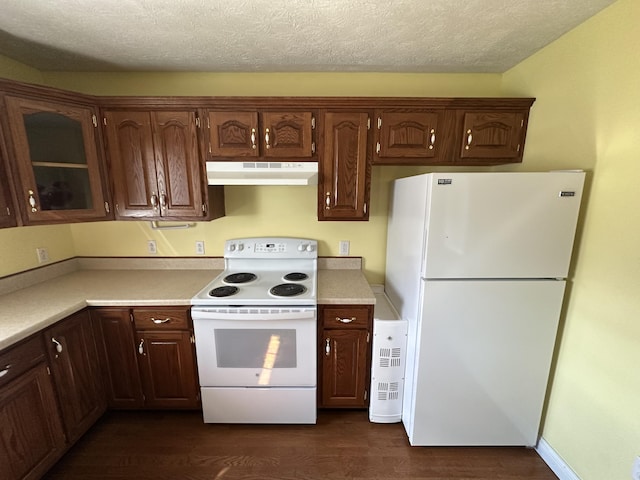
<point>501,225</point>
<point>481,362</point>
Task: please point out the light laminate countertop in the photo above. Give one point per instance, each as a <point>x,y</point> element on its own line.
<point>33,308</point>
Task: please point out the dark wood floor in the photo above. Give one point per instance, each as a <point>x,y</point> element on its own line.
<point>343,445</point>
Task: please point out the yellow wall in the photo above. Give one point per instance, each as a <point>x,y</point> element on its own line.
<point>588,114</point>
<point>259,210</point>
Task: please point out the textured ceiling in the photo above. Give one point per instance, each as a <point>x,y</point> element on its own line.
<point>284,35</point>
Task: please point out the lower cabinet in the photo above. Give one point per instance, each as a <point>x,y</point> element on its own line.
<point>74,364</point>
<point>344,355</point>
<point>148,357</point>
<point>31,433</point>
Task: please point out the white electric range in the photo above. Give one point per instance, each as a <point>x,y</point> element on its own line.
<point>255,331</point>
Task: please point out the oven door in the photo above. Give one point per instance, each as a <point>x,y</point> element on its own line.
<point>255,346</point>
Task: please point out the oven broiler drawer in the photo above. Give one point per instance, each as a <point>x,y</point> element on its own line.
<point>161,318</point>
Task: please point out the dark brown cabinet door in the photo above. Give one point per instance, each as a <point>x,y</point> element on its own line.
<point>178,164</point>
<point>7,213</point>
<point>493,135</point>
<point>155,164</point>
<point>233,134</point>
<point>343,191</point>
<point>406,138</point>
<point>287,135</point>
<point>74,363</point>
<point>167,368</point>
<point>56,154</point>
<point>260,134</point>
<point>344,355</point>
<point>130,145</point>
<point>117,351</point>
<point>31,435</point>
<point>344,372</point>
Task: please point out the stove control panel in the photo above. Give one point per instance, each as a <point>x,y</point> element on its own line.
<point>271,247</point>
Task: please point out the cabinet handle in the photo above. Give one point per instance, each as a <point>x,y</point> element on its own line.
<point>266,138</point>
<point>432,139</point>
<point>253,138</point>
<point>327,347</point>
<point>5,371</point>
<point>345,320</point>
<point>57,344</point>
<point>159,320</point>
<point>141,347</point>
<point>154,201</point>
<point>327,201</point>
<point>32,202</point>
<point>469,139</point>
<point>163,199</point>
<point>378,147</point>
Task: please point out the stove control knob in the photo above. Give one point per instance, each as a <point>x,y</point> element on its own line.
<point>232,247</point>
<point>309,248</point>
<point>302,247</point>
<point>240,247</point>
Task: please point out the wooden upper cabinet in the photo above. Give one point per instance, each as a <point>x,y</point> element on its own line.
<point>155,165</point>
<point>496,136</point>
<point>255,134</point>
<point>56,157</point>
<point>345,180</point>
<point>407,137</point>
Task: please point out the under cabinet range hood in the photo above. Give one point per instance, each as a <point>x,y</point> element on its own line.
<point>262,173</point>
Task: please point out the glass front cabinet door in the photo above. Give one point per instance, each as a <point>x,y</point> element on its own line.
<point>56,155</point>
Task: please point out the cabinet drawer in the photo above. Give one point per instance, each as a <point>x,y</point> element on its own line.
<point>161,318</point>
<point>19,359</point>
<point>346,317</point>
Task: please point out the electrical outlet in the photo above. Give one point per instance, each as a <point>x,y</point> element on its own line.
<point>199,247</point>
<point>635,471</point>
<point>43,255</point>
<point>344,247</point>
<point>152,248</point>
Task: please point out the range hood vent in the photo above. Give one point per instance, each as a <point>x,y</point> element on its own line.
<point>262,173</point>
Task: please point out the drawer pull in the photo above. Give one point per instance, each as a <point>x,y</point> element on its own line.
<point>327,347</point>
<point>141,347</point>
<point>345,320</point>
<point>5,371</point>
<point>158,321</point>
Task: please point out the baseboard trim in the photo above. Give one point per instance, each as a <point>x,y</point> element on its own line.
<point>555,461</point>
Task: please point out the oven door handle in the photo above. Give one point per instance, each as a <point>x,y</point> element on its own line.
<point>251,315</point>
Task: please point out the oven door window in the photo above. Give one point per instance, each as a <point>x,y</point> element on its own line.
<point>256,348</point>
<point>248,353</point>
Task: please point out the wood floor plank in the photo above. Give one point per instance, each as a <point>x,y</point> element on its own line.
<point>343,445</point>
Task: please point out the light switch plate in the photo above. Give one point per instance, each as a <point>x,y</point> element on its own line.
<point>152,247</point>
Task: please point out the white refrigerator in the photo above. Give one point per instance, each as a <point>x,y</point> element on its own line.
<point>477,265</point>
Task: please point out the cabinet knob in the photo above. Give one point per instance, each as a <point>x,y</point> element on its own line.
<point>57,344</point>
<point>154,201</point>
<point>141,347</point>
<point>163,199</point>
<point>32,202</point>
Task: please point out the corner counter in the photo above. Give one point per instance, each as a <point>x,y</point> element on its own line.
<point>34,300</point>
